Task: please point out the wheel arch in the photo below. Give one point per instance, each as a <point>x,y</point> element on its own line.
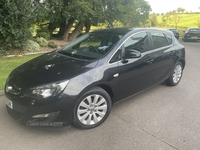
<point>182,61</point>
<point>105,87</point>
<point>108,89</point>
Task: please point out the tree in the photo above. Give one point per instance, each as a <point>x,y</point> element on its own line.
<point>16,20</point>
<point>198,23</point>
<point>153,20</point>
<point>136,13</point>
<point>76,14</point>
<point>175,18</point>
<point>180,10</point>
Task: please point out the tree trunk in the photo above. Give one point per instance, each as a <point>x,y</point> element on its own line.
<point>51,28</point>
<point>67,29</point>
<point>62,29</point>
<point>87,27</point>
<point>76,31</point>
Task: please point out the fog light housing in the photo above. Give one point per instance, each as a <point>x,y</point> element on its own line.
<point>46,117</point>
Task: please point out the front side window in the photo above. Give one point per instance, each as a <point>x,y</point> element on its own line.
<point>138,41</point>
<point>159,39</point>
<point>91,45</point>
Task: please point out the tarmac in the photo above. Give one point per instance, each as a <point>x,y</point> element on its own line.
<point>1,92</point>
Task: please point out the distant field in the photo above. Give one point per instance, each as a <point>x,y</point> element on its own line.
<point>186,21</point>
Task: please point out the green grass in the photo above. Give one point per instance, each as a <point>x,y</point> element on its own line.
<point>8,64</point>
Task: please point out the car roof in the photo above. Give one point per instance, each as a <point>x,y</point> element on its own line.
<point>193,28</point>
<point>126,30</point>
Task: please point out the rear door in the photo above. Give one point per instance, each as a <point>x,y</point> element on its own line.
<point>164,54</point>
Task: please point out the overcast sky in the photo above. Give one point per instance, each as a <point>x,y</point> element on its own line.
<point>163,6</point>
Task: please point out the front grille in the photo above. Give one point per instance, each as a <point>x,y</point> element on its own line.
<point>14,114</point>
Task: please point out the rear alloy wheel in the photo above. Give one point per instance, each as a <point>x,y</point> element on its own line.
<point>92,109</point>
<point>175,78</point>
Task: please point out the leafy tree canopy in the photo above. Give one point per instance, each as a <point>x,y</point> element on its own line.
<point>16,20</point>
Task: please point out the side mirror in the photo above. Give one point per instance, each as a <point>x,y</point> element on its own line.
<point>130,53</point>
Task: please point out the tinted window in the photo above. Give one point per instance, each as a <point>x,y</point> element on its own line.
<point>194,30</point>
<point>138,41</point>
<point>159,40</point>
<point>169,38</point>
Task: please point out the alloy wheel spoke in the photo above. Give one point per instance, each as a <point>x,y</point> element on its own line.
<point>89,119</point>
<point>95,118</point>
<point>102,114</point>
<point>101,102</point>
<point>89,100</point>
<point>103,107</point>
<point>82,111</point>
<point>83,104</point>
<point>96,97</point>
<point>82,118</point>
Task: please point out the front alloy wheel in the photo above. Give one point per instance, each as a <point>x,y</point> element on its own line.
<point>92,109</point>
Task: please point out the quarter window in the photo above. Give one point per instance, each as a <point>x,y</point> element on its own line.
<point>116,57</point>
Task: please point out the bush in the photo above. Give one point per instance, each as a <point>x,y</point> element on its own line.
<point>43,32</point>
<point>42,41</point>
<point>31,46</point>
<point>16,20</point>
<point>52,45</point>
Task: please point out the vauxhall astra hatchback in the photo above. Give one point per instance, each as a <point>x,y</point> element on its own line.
<point>79,83</point>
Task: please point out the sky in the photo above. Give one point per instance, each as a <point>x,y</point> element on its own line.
<point>163,6</point>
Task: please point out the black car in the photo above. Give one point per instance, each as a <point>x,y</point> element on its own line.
<point>79,83</point>
<point>192,34</point>
<point>175,32</point>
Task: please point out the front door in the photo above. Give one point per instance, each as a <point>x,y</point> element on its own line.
<point>136,74</point>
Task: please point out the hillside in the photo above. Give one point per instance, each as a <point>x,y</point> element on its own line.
<point>187,20</point>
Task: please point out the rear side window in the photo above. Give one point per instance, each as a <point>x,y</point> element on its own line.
<point>169,38</point>
<point>159,39</point>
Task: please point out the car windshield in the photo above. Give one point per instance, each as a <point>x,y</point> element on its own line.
<point>195,30</point>
<point>91,46</point>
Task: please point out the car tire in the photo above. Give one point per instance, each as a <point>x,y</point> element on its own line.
<point>92,108</point>
<point>176,75</point>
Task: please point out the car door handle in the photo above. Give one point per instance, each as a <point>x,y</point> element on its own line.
<point>150,61</point>
<point>116,75</point>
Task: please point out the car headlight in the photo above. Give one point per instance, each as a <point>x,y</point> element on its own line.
<point>47,90</point>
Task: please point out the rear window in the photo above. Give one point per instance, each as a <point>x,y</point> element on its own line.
<point>195,30</point>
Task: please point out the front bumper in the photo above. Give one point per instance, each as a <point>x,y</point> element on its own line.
<point>61,112</point>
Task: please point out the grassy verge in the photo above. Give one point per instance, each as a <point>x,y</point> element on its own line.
<point>8,64</point>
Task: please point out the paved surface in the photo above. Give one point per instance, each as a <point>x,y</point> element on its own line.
<point>162,118</point>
